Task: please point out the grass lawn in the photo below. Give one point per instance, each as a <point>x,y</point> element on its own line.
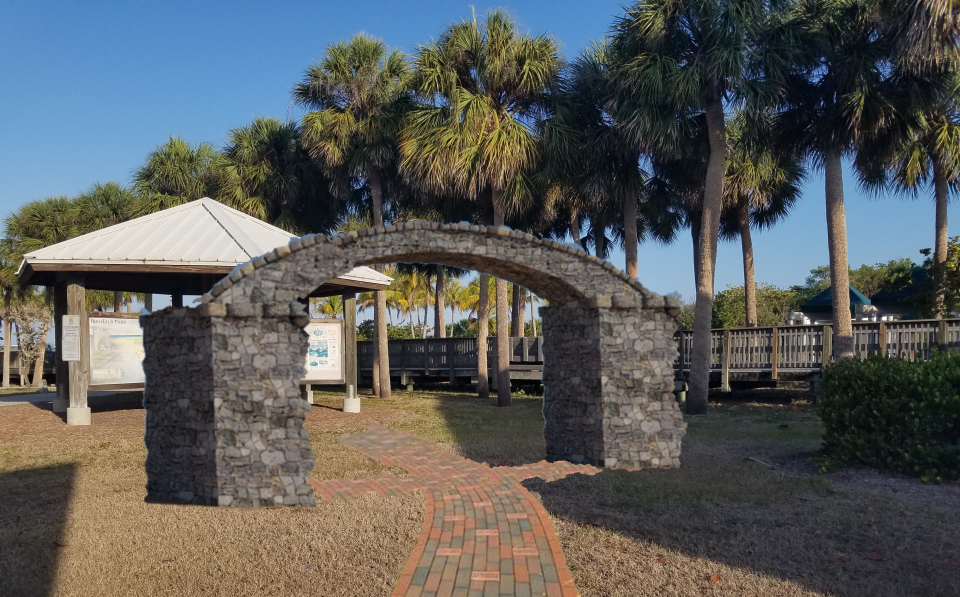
<point>747,507</point>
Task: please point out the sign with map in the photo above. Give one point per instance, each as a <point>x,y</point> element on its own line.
<point>116,351</point>
<point>325,351</point>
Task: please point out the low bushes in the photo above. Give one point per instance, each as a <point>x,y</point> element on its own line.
<point>894,414</point>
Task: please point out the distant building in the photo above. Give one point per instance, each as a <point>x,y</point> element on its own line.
<point>883,306</point>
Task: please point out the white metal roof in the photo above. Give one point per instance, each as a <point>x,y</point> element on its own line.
<point>197,234</point>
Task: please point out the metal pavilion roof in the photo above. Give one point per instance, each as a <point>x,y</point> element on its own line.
<point>201,237</point>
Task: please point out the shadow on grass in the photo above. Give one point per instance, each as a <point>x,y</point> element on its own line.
<point>734,509</point>
<point>34,504</point>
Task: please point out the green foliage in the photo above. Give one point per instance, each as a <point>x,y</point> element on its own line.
<point>894,414</point>
<point>394,332</point>
<point>926,298</point>
<point>729,310</point>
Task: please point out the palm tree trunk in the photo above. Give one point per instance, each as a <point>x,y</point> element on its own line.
<point>522,311</point>
<point>117,302</point>
<point>599,236</point>
<point>710,221</point>
<point>503,321</point>
<point>575,230</point>
<point>749,285</point>
<point>381,353</point>
<point>515,311</point>
<point>839,266</point>
<point>695,236</point>
<point>7,341</point>
<point>483,325</point>
<point>630,240</point>
<point>940,248</point>
<point>439,307</point>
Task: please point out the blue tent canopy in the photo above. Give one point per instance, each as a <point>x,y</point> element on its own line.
<point>823,302</point>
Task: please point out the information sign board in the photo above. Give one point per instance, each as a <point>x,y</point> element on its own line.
<point>325,351</point>
<point>116,351</point>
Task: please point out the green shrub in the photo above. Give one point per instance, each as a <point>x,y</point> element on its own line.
<point>894,414</point>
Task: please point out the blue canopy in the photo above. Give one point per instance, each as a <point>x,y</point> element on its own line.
<point>823,302</point>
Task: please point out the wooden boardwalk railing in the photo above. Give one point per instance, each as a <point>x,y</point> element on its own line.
<point>797,352</point>
<point>452,358</point>
<point>768,353</point>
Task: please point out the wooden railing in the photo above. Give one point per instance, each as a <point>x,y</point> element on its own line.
<point>449,356</point>
<point>805,348</point>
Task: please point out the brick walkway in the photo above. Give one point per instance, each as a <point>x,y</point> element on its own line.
<point>483,533</point>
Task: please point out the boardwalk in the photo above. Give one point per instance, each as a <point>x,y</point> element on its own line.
<point>483,532</point>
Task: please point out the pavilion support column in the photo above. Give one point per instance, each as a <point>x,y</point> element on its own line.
<point>350,353</point>
<point>62,401</point>
<point>78,373</point>
<point>148,302</point>
<point>176,300</point>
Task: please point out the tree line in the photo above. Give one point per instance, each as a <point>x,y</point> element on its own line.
<point>702,116</point>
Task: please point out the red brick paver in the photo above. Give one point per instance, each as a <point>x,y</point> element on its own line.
<point>483,532</point>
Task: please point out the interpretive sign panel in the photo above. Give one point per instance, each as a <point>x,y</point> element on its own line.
<point>70,330</point>
<point>325,351</point>
<point>116,351</point>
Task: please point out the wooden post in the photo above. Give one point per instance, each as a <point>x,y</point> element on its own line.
<point>725,363</point>
<point>176,300</point>
<point>827,345</point>
<point>449,345</point>
<point>882,340</point>
<point>942,343</point>
<point>78,373</point>
<point>680,358</point>
<point>494,368</point>
<point>7,336</point>
<point>350,342</point>
<point>774,353</point>
<point>62,401</point>
<point>148,302</point>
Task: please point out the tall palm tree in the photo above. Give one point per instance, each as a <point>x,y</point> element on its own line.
<point>589,149</point>
<point>921,150</point>
<point>270,176</point>
<point>837,96</point>
<point>761,186</point>
<point>484,85</point>
<point>36,225</point>
<point>676,57</point>
<point>358,94</point>
<point>176,173</point>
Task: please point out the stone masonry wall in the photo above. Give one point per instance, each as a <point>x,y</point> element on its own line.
<point>247,386</point>
<point>224,414</point>
<point>178,398</point>
<point>572,389</point>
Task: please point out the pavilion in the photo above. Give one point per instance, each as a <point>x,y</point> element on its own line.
<point>180,251</point>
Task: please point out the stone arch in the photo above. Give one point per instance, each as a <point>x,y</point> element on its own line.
<point>608,371</point>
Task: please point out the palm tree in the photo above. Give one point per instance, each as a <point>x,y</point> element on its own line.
<point>837,96</point>
<point>919,151</point>
<point>36,225</point>
<point>589,149</point>
<point>760,189</point>
<point>676,57</point>
<point>358,93</point>
<point>176,173</point>
<point>484,85</point>
<point>269,175</point>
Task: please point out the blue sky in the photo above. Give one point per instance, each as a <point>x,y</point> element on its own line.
<point>88,89</point>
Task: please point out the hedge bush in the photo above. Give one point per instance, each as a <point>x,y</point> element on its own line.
<point>894,414</point>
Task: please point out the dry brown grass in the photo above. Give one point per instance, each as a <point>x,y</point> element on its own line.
<point>73,520</point>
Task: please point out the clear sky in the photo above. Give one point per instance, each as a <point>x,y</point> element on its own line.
<point>87,89</point>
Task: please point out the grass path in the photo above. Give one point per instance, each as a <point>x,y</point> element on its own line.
<point>73,521</point>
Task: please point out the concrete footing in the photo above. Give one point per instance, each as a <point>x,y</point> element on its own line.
<point>78,416</point>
